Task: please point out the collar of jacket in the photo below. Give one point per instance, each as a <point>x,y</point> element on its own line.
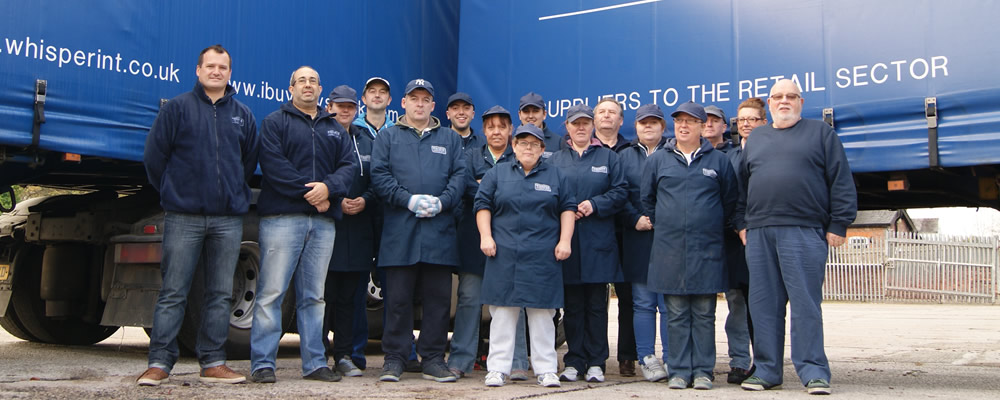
<point>705,147</point>
<point>320,112</point>
<point>635,143</point>
<point>199,91</point>
<point>508,152</point>
<point>434,123</point>
<point>539,166</point>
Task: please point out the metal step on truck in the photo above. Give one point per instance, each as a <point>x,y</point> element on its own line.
<point>908,85</point>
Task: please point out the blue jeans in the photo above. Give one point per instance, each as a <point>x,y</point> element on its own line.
<point>691,332</point>
<point>787,266</point>
<point>190,240</point>
<point>468,315</point>
<point>359,339</point>
<point>646,304</point>
<point>737,329</point>
<point>294,247</point>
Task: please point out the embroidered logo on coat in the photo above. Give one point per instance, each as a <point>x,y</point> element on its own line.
<point>546,154</point>
<point>333,132</point>
<point>709,172</point>
<point>439,150</point>
<point>600,170</point>
<point>365,157</point>
<point>238,121</point>
<point>541,187</point>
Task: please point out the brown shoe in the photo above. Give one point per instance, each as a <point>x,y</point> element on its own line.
<point>221,374</point>
<point>153,377</point>
<point>626,368</point>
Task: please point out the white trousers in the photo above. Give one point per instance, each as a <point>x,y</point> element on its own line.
<point>542,336</point>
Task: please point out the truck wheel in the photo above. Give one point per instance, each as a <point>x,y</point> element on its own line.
<point>29,308</point>
<point>244,299</point>
<point>374,306</point>
<point>560,328</point>
<point>10,323</point>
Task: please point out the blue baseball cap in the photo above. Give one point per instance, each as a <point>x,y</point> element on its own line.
<point>579,111</point>
<point>496,110</point>
<point>419,84</point>
<point>460,96</point>
<point>691,108</point>
<point>529,129</point>
<point>343,94</point>
<point>648,110</point>
<point>716,111</point>
<point>531,99</point>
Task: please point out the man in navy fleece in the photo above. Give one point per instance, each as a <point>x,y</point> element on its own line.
<point>800,197</point>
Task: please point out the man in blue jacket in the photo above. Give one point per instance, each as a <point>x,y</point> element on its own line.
<point>308,165</point>
<point>200,152</point>
<point>418,170</point>
<point>800,198</point>
<point>460,111</point>
<point>531,110</point>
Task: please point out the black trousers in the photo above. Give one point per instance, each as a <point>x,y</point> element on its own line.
<point>626,331</point>
<point>586,324</point>
<point>339,316</point>
<point>433,283</point>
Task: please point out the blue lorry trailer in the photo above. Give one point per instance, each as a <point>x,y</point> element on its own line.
<point>908,85</point>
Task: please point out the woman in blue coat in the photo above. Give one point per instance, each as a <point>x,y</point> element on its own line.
<point>525,212</point>
<point>637,232</point>
<point>481,158</point>
<point>598,183</point>
<point>689,193</point>
<point>354,244</point>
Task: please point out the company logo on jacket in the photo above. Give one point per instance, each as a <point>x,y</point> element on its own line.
<point>709,172</point>
<point>439,150</point>
<point>599,170</point>
<point>541,187</point>
<point>238,121</point>
<point>333,132</point>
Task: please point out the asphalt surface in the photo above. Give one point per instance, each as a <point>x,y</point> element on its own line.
<point>876,351</point>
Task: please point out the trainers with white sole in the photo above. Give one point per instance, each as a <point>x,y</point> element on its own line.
<point>677,383</point>
<point>549,379</point>
<point>652,369</point>
<point>570,374</point>
<point>346,367</point>
<point>595,374</point>
<point>702,383</point>
<point>496,379</point>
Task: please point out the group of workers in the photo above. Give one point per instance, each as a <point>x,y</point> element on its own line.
<point>531,222</point>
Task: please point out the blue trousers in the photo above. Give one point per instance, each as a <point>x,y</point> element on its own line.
<point>787,266</point>
<point>195,244</point>
<point>586,325</point>
<point>691,335</point>
<point>294,248</point>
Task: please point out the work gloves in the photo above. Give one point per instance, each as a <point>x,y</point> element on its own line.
<point>424,206</point>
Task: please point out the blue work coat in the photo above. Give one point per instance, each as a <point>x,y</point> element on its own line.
<point>479,159</point>
<point>596,176</point>
<point>636,245</point>
<point>525,213</point>
<point>354,245</point>
<point>690,205</point>
<point>736,259</point>
<point>405,163</point>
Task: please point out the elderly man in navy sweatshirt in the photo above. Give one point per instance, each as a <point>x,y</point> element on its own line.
<point>800,198</point>
<point>308,163</point>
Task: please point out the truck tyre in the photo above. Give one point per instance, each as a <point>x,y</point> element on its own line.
<point>374,306</point>
<point>10,323</point>
<point>29,308</point>
<point>241,310</point>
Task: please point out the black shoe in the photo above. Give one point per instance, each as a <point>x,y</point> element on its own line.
<point>738,375</point>
<point>263,375</point>
<point>438,371</point>
<point>324,374</point>
<point>391,370</point>
<point>413,366</point>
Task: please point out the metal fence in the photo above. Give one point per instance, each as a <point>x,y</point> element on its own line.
<point>914,267</point>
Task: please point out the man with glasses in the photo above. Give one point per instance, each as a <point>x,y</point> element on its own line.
<point>307,166</point>
<point>800,198</point>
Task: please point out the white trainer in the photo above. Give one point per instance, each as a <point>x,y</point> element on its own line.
<point>496,379</point>
<point>595,374</point>
<point>652,369</point>
<point>549,379</point>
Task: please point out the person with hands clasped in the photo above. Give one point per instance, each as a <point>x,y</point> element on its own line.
<point>308,165</point>
<point>597,181</point>
<point>418,170</point>
<point>525,212</point>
